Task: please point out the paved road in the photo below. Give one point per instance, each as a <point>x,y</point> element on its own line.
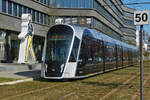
<point>20,70</point>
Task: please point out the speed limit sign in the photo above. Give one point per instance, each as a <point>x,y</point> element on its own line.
<point>141,17</point>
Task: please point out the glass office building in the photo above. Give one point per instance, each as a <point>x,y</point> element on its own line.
<point>115,21</point>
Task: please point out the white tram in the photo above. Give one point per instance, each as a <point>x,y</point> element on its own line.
<point>79,52</point>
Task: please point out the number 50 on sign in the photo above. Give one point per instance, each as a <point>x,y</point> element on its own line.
<point>141,17</point>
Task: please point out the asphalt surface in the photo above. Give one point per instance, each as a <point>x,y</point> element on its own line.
<point>20,70</point>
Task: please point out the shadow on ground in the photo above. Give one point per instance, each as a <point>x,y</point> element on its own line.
<point>30,74</point>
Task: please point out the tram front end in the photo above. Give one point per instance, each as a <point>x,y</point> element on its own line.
<point>57,53</point>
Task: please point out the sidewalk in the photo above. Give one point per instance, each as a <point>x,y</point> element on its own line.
<point>14,70</point>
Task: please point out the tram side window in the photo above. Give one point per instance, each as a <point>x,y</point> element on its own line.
<point>125,54</point>
<point>74,53</point>
<point>109,52</point>
<point>83,55</point>
<point>129,55</point>
<point>119,54</point>
<point>97,52</point>
<point>90,44</point>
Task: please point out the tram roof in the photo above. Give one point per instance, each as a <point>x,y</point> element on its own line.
<point>80,31</point>
<point>106,38</point>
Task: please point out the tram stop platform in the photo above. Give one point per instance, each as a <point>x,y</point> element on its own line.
<point>14,70</point>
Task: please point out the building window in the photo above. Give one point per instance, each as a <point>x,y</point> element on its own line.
<point>33,15</point>
<point>7,6</point>
<point>87,3</point>
<point>20,10</point>
<point>67,3</point>
<point>47,2</point>
<point>68,20</point>
<point>10,7</point>
<point>74,20</point>
<point>29,10</point>
<point>53,3</point>
<point>59,4</point>
<point>24,10</point>
<point>41,18</point>
<point>0,5</point>
<point>3,5</point>
<point>15,9</point>
<point>74,3</point>
<point>44,1</point>
<point>81,4</point>
<point>37,17</point>
<point>44,18</point>
<point>41,1</point>
<point>89,21</point>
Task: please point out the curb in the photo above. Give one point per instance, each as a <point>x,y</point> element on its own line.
<point>18,64</point>
<point>15,82</point>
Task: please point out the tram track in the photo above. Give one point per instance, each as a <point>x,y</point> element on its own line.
<point>103,98</point>
<point>135,96</point>
<point>81,87</point>
<point>33,91</point>
<point>118,88</point>
<point>47,88</point>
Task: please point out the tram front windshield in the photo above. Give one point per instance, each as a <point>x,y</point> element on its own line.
<point>58,44</point>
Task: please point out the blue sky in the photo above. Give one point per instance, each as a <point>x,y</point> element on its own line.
<point>140,7</point>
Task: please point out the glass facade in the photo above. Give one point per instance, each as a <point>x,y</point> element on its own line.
<point>96,5</point>
<point>114,8</point>
<point>128,30</point>
<point>89,4</point>
<point>42,18</point>
<point>106,14</point>
<point>128,14</point>
<point>14,9</point>
<point>71,3</point>
<point>90,22</point>
<point>45,2</point>
<point>74,4</point>
<point>67,3</point>
<point>128,22</point>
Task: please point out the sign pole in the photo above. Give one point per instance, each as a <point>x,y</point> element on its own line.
<point>141,62</point>
<point>141,18</point>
